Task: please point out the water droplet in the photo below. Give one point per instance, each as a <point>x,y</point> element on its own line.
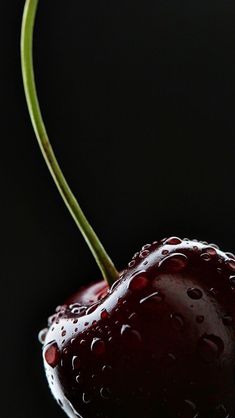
<point>146,246</point>
<point>227,320</point>
<point>174,262</point>
<point>213,291</point>
<point>188,409</point>
<point>154,297</point>
<point>194,293</point>
<point>51,319</point>
<point>42,335</point>
<point>74,305</point>
<point>132,317</point>
<point>78,310</point>
<point>230,263</point>
<point>173,241</point>
<point>232,280</point>
<point>79,379</point>
<point>114,285</point>
<point>63,333</point>
<point>76,364</point>
<point>210,250</point>
<point>135,256</point>
<point>138,282</point>
<point>165,252</point>
<point>144,253</point>
<point>177,321</point>
<point>52,354</point>
<point>104,314</point>
<point>92,308</point>
<point>221,412</point>
<point>131,264</point>
<point>200,319</point>
<point>205,257</point>
<point>125,328</point>
<point>195,248</point>
<point>106,369</point>
<point>230,255</point>
<point>98,346</point>
<point>210,347</point>
<point>105,393</point>
<point>86,398</point>
<point>60,403</point>
<point>132,335</point>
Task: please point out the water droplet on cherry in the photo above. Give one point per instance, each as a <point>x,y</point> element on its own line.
<point>174,263</point>
<point>92,308</point>
<point>153,297</point>
<point>86,398</point>
<point>230,263</point>
<point>173,241</point>
<point>138,282</point>
<point>79,378</point>
<point>98,346</point>
<point>60,403</point>
<point>188,410</point>
<point>210,347</point>
<point>194,293</point>
<point>177,321</point>
<point>104,314</point>
<point>205,257</point>
<point>105,393</point>
<point>144,253</point>
<point>232,280</point>
<point>76,364</point>
<point>42,335</point>
<point>52,354</point>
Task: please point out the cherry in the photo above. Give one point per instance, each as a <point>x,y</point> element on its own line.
<point>156,340</point>
<point>159,343</point>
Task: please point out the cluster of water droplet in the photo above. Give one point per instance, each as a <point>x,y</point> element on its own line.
<point>174,304</point>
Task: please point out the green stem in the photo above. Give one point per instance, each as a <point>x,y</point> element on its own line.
<point>105,264</point>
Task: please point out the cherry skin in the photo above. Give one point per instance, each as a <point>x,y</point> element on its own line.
<point>159,344</point>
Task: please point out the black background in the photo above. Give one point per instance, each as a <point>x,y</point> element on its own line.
<point>139,101</point>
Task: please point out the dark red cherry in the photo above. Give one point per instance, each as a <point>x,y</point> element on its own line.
<point>159,344</point>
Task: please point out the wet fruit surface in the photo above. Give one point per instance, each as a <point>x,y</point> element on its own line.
<point>159,344</point>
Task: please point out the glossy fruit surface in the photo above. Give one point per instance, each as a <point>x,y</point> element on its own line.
<point>159,344</point>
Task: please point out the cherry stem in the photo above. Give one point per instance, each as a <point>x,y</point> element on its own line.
<point>105,264</point>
